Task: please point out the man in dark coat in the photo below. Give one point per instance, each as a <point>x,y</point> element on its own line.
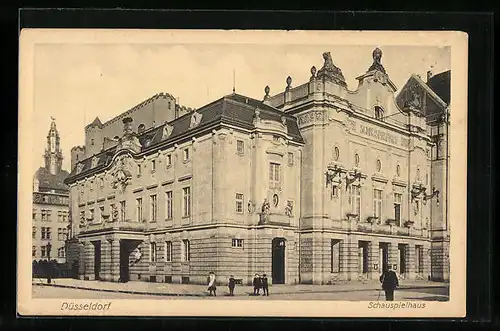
<point>389,281</point>
<point>231,285</point>
<point>256,285</point>
<point>265,285</point>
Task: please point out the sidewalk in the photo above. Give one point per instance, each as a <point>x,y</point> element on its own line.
<point>162,289</point>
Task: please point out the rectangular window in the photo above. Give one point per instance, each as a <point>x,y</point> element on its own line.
<point>335,256</point>
<point>138,209</point>
<point>44,251</point>
<point>169,204</point>
<point>34,215</point>
<point>33,251</point>
<point>186,198</point>
<point>101,213</point>
<point>398,199</point>
<point>168,251</point>
<point>60,234</point>
<point>239,203</point>
<point>61,253</point>
<point>274,175</point>
<point>185,154</point>
<point>240,147</point>
<point>154,208</point>
<point>237,243</point>
<point>48,234</point>
<point>152,252</point>
<point>139,170</point>
<point>290,159</point>
<point>355,199</point>
<point>44,233</point>
<point>153,165</point>
<point>377,204</point>
<point>33,233</point>
<point>122,210</point>
<point>169,160</point>
<point>186,253</point>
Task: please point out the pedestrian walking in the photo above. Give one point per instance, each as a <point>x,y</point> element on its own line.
<point>265,285</point>
<point>256,284</point>
<point>390,282</point>
<point>231,284</point>
<point>212,287</point>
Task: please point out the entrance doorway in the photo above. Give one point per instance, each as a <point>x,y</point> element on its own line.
<point>97,259</point>
<point>402,258</point>
<point>384,256</point>
<point>278,260</point>
<point>124,261</point>
<point>363,256</point>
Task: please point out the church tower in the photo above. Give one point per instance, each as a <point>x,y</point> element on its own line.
<point>53,154</point>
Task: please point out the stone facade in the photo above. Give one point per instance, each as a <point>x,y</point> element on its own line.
<point>317,184</point>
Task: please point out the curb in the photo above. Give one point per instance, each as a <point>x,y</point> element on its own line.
<point>205,295</point>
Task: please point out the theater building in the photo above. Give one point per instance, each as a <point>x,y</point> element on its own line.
<point>50,203</point>
<point>316,184</point>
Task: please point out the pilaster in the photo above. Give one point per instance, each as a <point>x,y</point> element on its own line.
<point>89,261</point>
<point>106,260</point>
<point>115,260</point>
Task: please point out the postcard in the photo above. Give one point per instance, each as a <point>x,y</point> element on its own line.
<point>242,173</point>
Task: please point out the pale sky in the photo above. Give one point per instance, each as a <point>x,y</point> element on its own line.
<point>77,82</point>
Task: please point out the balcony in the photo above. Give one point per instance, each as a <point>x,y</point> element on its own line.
<point>352,224</point>
<point>274,219</point>
<point>127,225</point>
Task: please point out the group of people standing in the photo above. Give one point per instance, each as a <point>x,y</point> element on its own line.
<point>259,282</point>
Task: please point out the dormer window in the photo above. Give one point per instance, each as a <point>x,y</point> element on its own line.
<point>379,113</point>
<point>141,128</point>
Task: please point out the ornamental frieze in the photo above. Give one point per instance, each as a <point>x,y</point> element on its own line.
<point>313,116</point>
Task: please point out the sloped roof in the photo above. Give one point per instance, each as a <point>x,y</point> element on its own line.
<point>48,181</point>
<point>440,84</point>
<point>234,109</point>
<point>96,122</point>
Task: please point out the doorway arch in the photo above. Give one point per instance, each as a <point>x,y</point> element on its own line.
<point>278,260</point>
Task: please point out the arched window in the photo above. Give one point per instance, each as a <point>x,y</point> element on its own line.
<point>141,128</point>
<point>336,153</point>
<point>379,165</point>
<point>379,113</point>
<point>116,138</point>
<point>356,159</point>
<point>92,142</point>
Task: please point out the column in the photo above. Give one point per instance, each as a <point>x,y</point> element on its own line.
<point>374,259</point>
<point>410,262</point>
<point>89,261</point>
<point>106,259</point>
<point>81,260</point>
<point>394,256</point>
<point>352,258</point>
<point>115,260</point>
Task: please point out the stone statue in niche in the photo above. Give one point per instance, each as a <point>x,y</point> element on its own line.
<point>195,119</point>
<point>265,207</point>
<point>289,209</point>
<point>121,176</point>
<point>251,206</point>
<point>114,213</point>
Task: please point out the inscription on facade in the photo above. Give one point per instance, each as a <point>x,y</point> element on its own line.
<point>383,135</point>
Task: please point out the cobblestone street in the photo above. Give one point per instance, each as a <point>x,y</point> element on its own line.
<point>143,290</point>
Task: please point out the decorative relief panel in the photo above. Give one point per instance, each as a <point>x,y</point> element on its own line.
<point>311,117</point>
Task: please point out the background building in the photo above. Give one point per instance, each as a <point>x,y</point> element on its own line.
<point>316,184</point>
<point>50,203</point>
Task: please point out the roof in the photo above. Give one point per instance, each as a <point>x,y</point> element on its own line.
<point>48,181</point>
<point>233,109</point>
<point>96,122</point>
<point>440,84</point>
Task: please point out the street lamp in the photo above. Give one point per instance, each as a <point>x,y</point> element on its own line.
<point>49,273</point>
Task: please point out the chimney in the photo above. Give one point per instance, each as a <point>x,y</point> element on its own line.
<point>429,75</point>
